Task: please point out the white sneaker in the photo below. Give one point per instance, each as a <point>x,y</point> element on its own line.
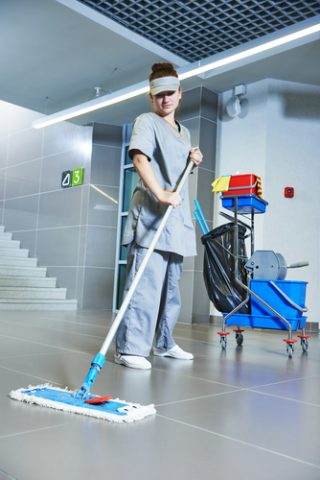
<point>174,352</point>
<point>132,361</point>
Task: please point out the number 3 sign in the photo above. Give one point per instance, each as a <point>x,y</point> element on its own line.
<point>72,178</point>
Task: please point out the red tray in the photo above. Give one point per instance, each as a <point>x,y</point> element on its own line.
<point>244,185</point>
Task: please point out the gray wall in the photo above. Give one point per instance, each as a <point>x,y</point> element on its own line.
<point>71,231</point>
<point>102,216</point>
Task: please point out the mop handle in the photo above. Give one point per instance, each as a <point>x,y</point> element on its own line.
<point>199,220</point>
<point>200,212</point>
<point>126,301</point>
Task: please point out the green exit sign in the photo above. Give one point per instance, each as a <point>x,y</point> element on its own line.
<point>72,178</point>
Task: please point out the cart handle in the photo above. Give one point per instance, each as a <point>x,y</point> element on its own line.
<point>243,187</point>
<point>288,299</point>
<point>298,264</point>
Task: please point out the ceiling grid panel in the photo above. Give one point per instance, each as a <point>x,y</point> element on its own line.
<point>196,30</point>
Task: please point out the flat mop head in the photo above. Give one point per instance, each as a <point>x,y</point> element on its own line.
<point>112,410</point>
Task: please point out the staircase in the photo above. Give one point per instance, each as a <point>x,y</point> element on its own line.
<point>24,285</point>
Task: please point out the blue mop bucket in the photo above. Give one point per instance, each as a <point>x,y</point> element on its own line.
<point>287,297</point>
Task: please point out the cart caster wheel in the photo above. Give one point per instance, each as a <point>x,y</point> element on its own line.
<point>223,342</point>
<point>304,344</point>
<point>290,350</point>
<point>239,337</point>
<point>223,338</point>
<point>290,346</point>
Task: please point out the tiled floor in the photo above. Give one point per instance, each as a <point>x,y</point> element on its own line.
<point>249,412</point>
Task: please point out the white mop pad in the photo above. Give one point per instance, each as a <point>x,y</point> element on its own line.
<point>113,410</point>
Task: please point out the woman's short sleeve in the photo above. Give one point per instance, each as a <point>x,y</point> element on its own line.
<point>143,136</point>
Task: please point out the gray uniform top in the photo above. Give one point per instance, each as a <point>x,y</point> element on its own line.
<point>168,152</point>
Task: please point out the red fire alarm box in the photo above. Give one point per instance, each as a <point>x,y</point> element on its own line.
<point>288,192</point>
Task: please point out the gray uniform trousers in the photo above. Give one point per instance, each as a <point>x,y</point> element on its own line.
<point>155,305</point>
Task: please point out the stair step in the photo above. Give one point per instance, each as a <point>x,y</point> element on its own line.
<point>9,243</point>
<point>36,282</point>
<point>23,285</point>
<point>5,236</point>
<point>25,293</point>
<point>14,252</point>
<point>22,271</point>
<point>44,305</point>
<point>18,262</point>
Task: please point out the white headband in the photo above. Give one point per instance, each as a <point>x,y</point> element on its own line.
<point>164,84</point>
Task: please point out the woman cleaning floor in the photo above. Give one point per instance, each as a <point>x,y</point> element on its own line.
<point>160,149</point>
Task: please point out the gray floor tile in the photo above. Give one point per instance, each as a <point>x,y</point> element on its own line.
<point>91,448</point>
<point>304,390</point>
<point>242,368</point>
<point>10,347</point>
<point>61,320</point>
<point>55,325</point>
<point>248,412</point>
<point>53,338</point>
<point>268,422</point>
<point>18,418</point>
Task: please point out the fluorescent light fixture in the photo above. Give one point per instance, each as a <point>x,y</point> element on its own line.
<point>92,105</point>
<point>191,71</point>
<point>278,42</point>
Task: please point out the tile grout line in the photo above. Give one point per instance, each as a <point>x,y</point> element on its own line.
<point>242,442</point>
<point>7,475</point>
<point>310,404</point>
<point>192,377</point>
<point>197,398</point>
<point>284,381</point>
<point>71,322</point>
<point>29,375</point>
<point>45,345</point>
<point>236,390</point>
<point>26,432</point>
<point>8,357</point>
<point>50,329</point>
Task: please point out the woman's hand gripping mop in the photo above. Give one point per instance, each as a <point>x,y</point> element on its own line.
<point>81,401</point>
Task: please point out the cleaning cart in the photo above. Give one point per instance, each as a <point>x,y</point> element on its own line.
<point>249,291</point>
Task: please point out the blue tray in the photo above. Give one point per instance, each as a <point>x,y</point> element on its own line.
<point>246,203</point>
<point>263,321</point>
